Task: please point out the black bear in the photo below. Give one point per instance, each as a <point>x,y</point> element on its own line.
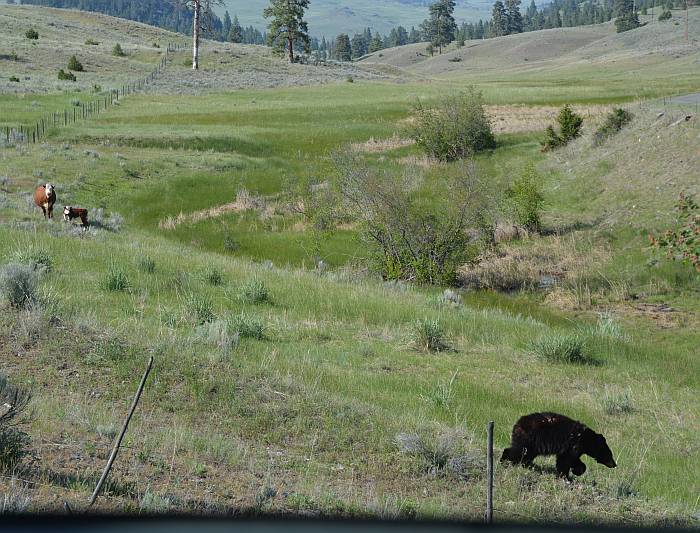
<point>555,434</point>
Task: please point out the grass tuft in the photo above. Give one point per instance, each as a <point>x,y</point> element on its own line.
<point>561,348</point>
<point>18,285</point>
<point>429,336</point>
<point>115,280</point>
<point>254,292</point>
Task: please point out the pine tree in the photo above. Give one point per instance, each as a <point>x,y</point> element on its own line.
<point>440,27</point>
<point>499,19</point>
<point>235,34</point>
<point>515,19</point>
<point>627,18</point>
<point>414,35</point>
<point>343,48</point>
<point>376,43</point>
<point>288,28</point>
<point>402,35</point>
<point>226,28</point>
<point>358,45</point>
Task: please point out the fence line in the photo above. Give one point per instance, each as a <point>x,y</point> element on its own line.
<point>38,130</point>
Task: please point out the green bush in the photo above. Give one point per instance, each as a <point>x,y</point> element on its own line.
<point>665,15</point>
<point>118,51</point>
<point>570,124</point>
<point>561,348</point>
<point>246,327</point>
<point>429,336</point>
<point>254,292</point>
<point>13,442</point>
<point>526,197</point>
<point>36,258</point>
<point>18,285</point>
<point>682,243</point>
<point>75,65</point>
<point>200,308</point>
<point>628,21</point>
<point>146,264</point>
<point>13,447</point>
<point>66,76</point>
<point>32,34</point>
<point>115,280</point>
<point>617,119</point>
<point>91,42</point>
<point>14,79</point>
<point>453,128</point>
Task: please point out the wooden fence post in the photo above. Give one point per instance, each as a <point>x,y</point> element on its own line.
<point>489,473</point>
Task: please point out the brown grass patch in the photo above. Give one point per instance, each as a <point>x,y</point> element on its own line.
<point>522,118</point>
<point>374,146</point>
<point>244,202</point>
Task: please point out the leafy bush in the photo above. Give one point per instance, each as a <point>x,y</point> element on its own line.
<point>412,240</point>
<point>526,198</point>
<point>254,292</point>
<point>682,243</point>
<point>75,65</point>
<point>429,336</point>
<point>665,15</point>
<point>18,285</point>
<point>66,76</point>
<point>14,79</point>
<point>118,51</point>
<point>454,128</point>
<point>570,124</point>
<point>561,348</point>
<point>115,280</point>
<point>246,327</point>
<point>32,34</point>
<point>617,119</point>
<point>91,42</point>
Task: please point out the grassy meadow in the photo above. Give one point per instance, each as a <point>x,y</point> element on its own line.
<point>284,386</point>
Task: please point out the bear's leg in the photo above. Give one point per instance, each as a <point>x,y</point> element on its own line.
<point>516,456</point>
<point>564,466</point>
<point>578,467</point>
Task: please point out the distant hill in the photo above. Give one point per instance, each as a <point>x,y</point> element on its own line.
<point>330,17</point>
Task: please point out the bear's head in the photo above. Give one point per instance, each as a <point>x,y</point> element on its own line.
<point>594,444</point>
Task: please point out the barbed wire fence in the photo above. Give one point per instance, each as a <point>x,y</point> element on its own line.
<point>37,131</point>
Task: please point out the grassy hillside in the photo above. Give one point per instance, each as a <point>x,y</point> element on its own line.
<point>282,386</point>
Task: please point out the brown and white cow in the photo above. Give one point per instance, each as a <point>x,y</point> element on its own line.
<point>69,213</point>
<point>45,197</point>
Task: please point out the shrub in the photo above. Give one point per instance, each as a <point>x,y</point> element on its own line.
<point>32,34</point>
<point>254,292</point>
<point>14,79</point>
<point>213,277</point>
<point>201,308</point>
<point>454,128</point>
<point>617,403</point>
<point>91,42</point>
<point>682,243</point>
<point>118,51</point>
<point>617,119</point>
<point>441,455</point>
<point>246,327</point>
<point>412,240</point>
<point>570,124</point>
<point>429,336</point>
<point>628,21</point>
<point>75,65</point>
<point>146,264</point>
<point>66,76</point>
<point>115,280</point>
<point>13,442</point>
<point>561,348</point>
<point>17,500</point>
<point>220,334</point>
<point>665,15</point>
<point>36,258</point>
<point>18,285</point>
<point>526,198</point>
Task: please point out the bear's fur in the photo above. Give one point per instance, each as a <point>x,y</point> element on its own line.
<point>554,434</point>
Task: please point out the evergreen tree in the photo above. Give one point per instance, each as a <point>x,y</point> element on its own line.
<point>627,18</point>
<point>235,34</point>
<point>226,27</point>
<point>515,19</point>
<point>376,43</point>
<point>343,48</point>
<point>358,45</point>
<point>531,18</point>
<point>288,28</point>
<point>440,27</point>
<point>499,19</point>
<point>402,36</point>
<point>414,35</point>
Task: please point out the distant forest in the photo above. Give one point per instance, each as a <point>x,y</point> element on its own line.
<point>167,14</point>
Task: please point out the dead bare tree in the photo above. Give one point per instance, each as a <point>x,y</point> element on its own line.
<point>203,16</point>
